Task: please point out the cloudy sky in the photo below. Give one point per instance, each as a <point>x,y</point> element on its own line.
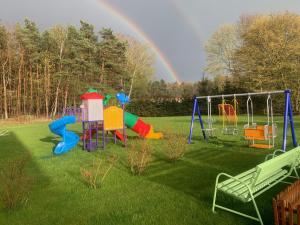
<point>176,30</point>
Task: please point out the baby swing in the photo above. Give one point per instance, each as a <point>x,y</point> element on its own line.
<point>229,116</point>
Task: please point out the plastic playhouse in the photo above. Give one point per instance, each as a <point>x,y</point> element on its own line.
<point>101,120</point>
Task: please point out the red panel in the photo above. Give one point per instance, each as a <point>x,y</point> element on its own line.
<point>141,128</point>
<point>92,95</point>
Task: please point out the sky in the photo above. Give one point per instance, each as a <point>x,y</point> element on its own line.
<point>175,30</point>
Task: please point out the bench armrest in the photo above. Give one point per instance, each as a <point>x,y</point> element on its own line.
<point>274,154</point>
<point>269,156</point>
<point>234,178</point>
<point>278,151</point>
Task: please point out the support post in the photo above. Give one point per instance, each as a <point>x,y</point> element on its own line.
<point>292,122</point>
<point>196,107</point>
<point>285,118</point>
<point>83,136</point>
<point>288,114</point>
<point>90,136</point>
<point>124,126</point>
<point>103,135</point>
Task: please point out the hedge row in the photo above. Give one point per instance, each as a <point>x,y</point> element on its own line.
<point>161,108</point>
<point>183,108</point>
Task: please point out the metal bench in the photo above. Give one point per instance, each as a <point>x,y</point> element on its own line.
<point>252,183</point>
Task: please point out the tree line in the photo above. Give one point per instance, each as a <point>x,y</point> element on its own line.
<point>258,53</point>
<point>42,72</point>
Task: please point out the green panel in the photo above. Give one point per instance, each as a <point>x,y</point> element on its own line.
<point>130,119</point>
<point>106,99</point>
<point>91,90</point>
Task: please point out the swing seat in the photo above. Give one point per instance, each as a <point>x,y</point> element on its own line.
<point>259,132</point>
<point>255,133</point>
<point>209,132</point>
<point>230,131</point>
<point>262,146</point>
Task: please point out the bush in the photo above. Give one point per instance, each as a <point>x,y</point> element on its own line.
<point>95,174</point>
<point>15,183</point>
<point>139,156</point>
<point>176,146</point>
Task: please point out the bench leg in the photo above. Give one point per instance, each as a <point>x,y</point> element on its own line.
<point>256,209</point>
<point>237,212</point>
<point>215,197</point>
<point>295,169</point>
<point>258,218</point>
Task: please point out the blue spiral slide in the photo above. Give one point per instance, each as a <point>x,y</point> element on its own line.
<point>70,139</point>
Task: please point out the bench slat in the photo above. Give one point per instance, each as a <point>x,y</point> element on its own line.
<point>242,176</point>
<point>243,193</point>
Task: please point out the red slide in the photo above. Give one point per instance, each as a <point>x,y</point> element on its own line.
<point>120,136</point>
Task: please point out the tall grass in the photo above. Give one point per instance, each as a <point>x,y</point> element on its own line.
<point>15,183</point>
<point>175,146</point>
<point>139,156</point>
<point>95,174</point>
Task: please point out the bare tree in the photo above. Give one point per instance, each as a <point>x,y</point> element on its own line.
<point>139,60</point>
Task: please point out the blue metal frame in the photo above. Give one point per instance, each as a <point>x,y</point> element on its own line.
<point>288,114</point>
<point>196,106</point>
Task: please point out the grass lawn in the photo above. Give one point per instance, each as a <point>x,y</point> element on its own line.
<point>168,193</point>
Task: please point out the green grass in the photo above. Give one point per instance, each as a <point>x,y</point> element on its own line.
<point>168,193</point>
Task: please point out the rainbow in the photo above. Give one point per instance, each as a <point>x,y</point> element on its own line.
<point>135,28</point>
<point>190,21</point>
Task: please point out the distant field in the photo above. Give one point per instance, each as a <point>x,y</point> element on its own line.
<point>167,194</point>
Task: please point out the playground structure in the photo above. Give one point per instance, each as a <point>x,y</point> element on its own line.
<point>72,111</point>
<point>252,132</point>
<point>70,139</point>
<point>105,119</point>
<point>98,121</point>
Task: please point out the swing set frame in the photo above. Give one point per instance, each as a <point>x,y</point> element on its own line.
<point>287,117</point>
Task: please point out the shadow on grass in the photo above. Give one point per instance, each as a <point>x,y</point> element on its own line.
<point>13,150</point>
<point>51,139</point>
<point>195,175</point>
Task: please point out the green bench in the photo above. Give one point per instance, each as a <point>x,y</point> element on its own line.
<point>252,183</point>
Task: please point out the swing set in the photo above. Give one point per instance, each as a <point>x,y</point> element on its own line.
<point>254,133</point>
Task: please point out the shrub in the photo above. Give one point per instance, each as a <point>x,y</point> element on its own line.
<point>95,174</point>
<point>176,146</point>
<point>15,183</point>
<point>139,156</point>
